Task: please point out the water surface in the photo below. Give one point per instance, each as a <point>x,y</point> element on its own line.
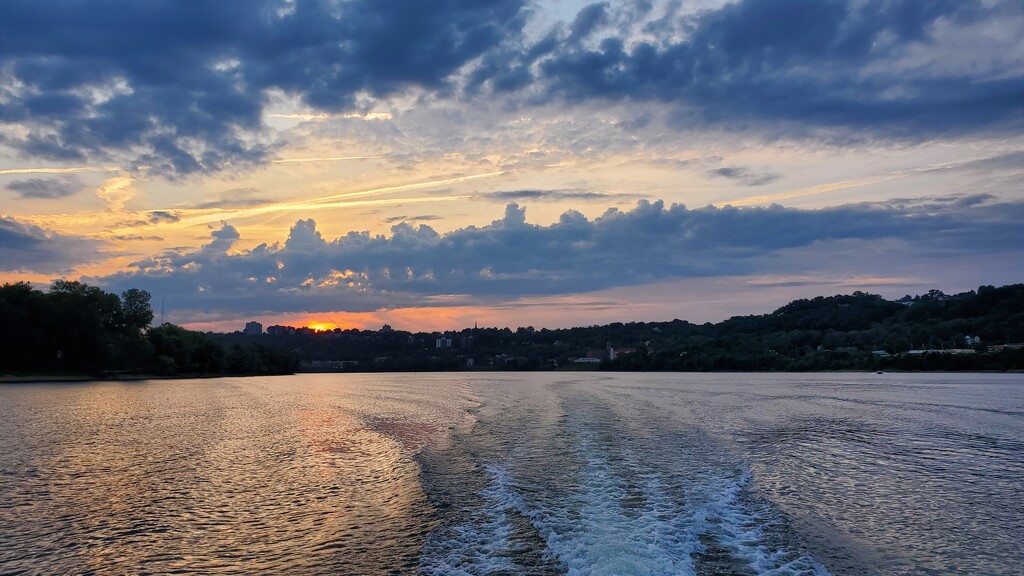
<point>506,473</point>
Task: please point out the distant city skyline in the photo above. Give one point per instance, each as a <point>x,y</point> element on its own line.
<point>509,163</point>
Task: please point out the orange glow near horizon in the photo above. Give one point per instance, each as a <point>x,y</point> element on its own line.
<point>410,319</point>
<point>715,300</point>
<point>322,326</point>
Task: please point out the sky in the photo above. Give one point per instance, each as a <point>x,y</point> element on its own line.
<point>435,165</point>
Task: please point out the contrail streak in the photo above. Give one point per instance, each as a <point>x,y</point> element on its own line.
<point>60,170</point>
<point>307,205</point>
<point>812,191</point>
<point>367,116</point>
<point>402,187</point>
<point>324,159</point>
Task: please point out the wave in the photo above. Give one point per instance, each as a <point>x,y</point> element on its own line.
<point>614,516</point>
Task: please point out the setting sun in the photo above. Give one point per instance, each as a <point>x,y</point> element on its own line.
<point>322,326</point>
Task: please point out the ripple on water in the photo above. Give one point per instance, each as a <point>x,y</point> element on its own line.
<point>537,474</point>
<point>232,476</point>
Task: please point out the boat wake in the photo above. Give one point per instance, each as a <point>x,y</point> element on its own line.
<point>615,517</point>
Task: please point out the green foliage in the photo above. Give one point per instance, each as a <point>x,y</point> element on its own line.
<point>136,312</point>
<point>75,328</point>
<point>26,334</point>
<point>824,333</point>
<point>185,351</point>
<point>256,359</point>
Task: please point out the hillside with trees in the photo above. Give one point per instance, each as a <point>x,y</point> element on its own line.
<point>974,330</point>
<point>77,329</point>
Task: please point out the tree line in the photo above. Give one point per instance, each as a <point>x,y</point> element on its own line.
<point>858,331</point>
<point>74,328</point>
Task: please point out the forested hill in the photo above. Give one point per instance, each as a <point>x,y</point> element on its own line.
<point>77,329</point>
<point>848,332</point>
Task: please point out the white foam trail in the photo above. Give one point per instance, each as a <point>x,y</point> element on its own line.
<point>741,530</point>
<point>593,534</point>
<point>606,526</point>
<point>480,545</point>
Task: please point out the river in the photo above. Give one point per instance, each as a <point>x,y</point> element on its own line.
<point>516,473</point>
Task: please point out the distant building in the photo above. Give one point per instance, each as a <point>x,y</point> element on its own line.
<point>253,328</point>
<point>443,342</point>
<point>277,330</point>
<point>387,328</point>
<point>587,361</point>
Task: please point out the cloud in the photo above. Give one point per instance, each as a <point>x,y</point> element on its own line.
<point>874,67</point>
<point>46,188</point>
<point>162,216</point>
<point>235,198</point>
<point>28,248</point>
<point>322,159</point>
<point>421,218</point>
<point>511,258</point>
<point>181,89</point>
<point>1010,161</point>
<point>117,192</point>
<point>744,176</point>
<point>178,89</point>
<point>224,238</point>
<point>551,195</point>
<point>133,237</point>
<point>59,170</point>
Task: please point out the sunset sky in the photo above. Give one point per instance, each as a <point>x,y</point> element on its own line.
<point>435,164</point>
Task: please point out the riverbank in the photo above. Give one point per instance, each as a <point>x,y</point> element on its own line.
<point>70,378</point>
<point>56,379</point>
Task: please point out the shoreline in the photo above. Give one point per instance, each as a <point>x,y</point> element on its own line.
<point>74,379</point>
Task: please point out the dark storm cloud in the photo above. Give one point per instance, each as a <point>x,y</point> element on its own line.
<point>28,248</point>
<point>180,87</point>
<point>46,188</point>
<point>509,257</point>
<point>823,63</point>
